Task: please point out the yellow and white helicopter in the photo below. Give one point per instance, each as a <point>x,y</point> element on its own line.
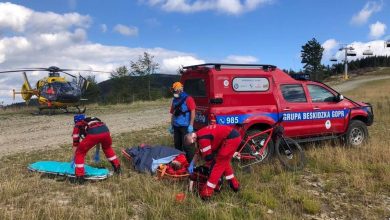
<point>54,91</point>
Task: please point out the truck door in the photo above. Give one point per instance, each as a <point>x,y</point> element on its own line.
<point>329,114</point>
<point>293,105</point>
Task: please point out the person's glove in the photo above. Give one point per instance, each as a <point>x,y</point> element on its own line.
<point>96,157</point>
<point>191,167</point>
<point>170,129</point>
<point>190,129</point>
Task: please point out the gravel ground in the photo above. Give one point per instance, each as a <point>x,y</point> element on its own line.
<point>24,132</point>
<point>353,84</point>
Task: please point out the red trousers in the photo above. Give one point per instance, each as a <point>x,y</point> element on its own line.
<point>222,162</point>
<point>89,142</point>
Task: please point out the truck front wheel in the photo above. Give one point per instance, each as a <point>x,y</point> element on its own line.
<point>357,134</point>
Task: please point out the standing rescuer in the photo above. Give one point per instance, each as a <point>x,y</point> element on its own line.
<point>93,131</point>
<point>182,119</point>
<point>216,145</point>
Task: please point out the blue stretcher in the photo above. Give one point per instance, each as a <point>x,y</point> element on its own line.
<point>66,169</point>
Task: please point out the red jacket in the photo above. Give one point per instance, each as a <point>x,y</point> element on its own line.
<point>210,138</point>
<point>90,125</point>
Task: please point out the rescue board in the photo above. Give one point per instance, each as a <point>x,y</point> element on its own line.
<point>66,169</point>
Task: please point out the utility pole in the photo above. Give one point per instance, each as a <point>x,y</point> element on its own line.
<point>348,51</point>
<point>345,65</point>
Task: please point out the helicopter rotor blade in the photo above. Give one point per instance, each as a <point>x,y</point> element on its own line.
<point>96,71</point>
<point>52,69</point>
<point>22,70</point>
<point>69,74</point>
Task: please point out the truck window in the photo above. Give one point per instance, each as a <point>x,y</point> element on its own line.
<point>320,94</point>
<point>293,93</point>
<point>195,87</point>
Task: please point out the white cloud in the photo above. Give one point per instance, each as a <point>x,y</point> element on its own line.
<point>14,16</point>
<point>126,30</point>
<point>226,6</point>
<point>175,63</point>
<point>329,46</point>
<point>369,9</point>
<point>103,27</point>
<point>377,30</point>
<point>21,19</point>
<point>65,46</point>
<point>241,59</point>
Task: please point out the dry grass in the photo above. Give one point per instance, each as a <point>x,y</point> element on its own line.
<point>344,183</point>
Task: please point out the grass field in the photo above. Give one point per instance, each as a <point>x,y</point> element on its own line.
<point>338,183</point>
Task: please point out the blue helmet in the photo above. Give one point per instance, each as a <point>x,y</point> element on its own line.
<point>78,118</point>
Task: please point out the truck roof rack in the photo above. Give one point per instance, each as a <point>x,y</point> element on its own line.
<point>218,66</point>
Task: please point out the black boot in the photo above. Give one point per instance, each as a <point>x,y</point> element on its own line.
<point>118,170</point>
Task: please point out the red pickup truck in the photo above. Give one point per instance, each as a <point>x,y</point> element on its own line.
<point>253,97</point>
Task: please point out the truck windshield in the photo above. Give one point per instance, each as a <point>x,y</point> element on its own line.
<point>195,87</point>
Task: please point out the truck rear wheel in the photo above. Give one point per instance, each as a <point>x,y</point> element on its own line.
<point>256,146</point>
<point>357,134</point>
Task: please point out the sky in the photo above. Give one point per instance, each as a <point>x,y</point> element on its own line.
<point>103,35</point>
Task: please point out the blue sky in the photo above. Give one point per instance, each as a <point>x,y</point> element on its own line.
<point>106,34</point>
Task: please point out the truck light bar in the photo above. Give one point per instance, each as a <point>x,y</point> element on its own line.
<point>218,66</point>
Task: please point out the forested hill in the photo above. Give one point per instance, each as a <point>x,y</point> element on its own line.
<point>133,88</point>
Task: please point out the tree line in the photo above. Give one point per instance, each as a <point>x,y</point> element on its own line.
<point>138,81</point>
<point>311,55</point>
<point>366,62</point>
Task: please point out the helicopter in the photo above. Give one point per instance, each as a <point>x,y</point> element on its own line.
<point>54,91</point>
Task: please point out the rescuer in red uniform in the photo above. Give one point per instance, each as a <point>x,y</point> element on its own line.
<point>93,131</point>
<point>216,145</point>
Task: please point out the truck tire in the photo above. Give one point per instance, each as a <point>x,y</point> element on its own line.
<point>257,144</point>
<point>357,134</point>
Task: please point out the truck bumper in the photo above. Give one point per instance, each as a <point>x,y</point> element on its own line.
<point>370,114</point>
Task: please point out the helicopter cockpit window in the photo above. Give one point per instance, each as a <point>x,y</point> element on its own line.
<point>61,91</point>
<point>49,92</point>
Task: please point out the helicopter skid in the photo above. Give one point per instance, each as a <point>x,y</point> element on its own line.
<point>67,109</point>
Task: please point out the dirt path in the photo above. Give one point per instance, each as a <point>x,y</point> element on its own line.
<point>352,84</point>
<point>23,132</point>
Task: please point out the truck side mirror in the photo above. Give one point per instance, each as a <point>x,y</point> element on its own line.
<point>339,98</point>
